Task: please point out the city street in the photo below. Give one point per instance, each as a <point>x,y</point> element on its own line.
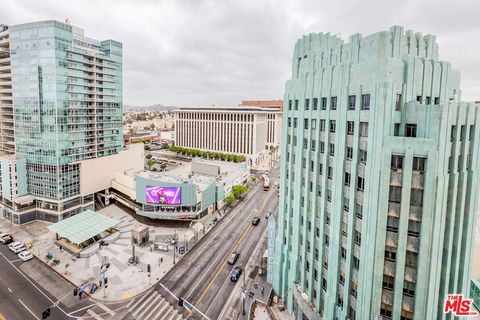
<point>202,278</point>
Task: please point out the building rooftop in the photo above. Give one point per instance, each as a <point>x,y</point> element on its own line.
<point>229,172</point>
<point>233,109</point>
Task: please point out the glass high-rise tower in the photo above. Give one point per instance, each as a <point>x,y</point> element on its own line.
<point>378,180</point>
<point>66,103</point>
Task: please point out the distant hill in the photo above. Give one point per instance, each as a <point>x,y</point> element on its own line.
<point>152,107</point>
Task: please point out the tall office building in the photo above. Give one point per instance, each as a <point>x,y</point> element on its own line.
<point>60,104</point>
<point>378,180</point>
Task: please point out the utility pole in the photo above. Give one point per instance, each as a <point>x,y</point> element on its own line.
<point>174,249</point>
<point>244,294</point>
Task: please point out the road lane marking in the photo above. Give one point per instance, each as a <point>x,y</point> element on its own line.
<point>33,314</point>
<point>225,262</point>
<point>93,314</point>
<point>10,290</point>
<point>105,308</point>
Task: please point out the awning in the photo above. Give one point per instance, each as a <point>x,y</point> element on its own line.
<point>83,226</point>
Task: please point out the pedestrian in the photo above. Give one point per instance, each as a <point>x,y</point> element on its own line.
<point>80,295</point>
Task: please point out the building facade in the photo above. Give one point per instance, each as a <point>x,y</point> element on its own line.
<point>378,180</point>
<point>246,130</point>
<point>60,104</point>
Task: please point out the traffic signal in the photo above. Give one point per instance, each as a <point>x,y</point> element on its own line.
<point>180,302</point>
<point>46,314</point>
<point>75,292</point>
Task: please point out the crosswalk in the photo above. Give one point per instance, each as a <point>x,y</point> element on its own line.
<point>153,306</point>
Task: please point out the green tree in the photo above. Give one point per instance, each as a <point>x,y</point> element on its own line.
<point>150,163</point>
<point>229,199</point>
<point>163,166</point>
<point>146,147</point>
<point>253,179</point>
<point>239,190</point>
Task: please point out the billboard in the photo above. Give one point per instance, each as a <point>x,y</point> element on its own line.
<point>163,195</point>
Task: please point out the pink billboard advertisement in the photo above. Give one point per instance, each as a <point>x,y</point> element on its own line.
<point>163,195</point>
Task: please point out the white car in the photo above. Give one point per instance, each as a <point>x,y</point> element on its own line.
<point>16,247</point>
<point>25,255</point>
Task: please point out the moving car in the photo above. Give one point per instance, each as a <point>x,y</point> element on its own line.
<point>233,258</point>
<point>25,255</point>
<point>255,221</point>
<point>268,215</point>
<point>235,275</point>
<point>16,247</point>
<point>7,239</point>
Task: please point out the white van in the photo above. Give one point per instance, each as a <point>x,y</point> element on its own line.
<point>17,247</point>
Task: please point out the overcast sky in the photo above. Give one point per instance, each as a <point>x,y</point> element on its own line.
<point>179,52</point>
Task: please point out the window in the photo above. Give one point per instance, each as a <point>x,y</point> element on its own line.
<point>348,178</point>
<point>392,224</point>
<point>339,300</point>
<point>305,123</point>
<point>331,149</point>
<point>452,133</point>
<point>289,104</point>
<point>342,278</point>
<point>395,194</point>
<point>344,253</point>
<point>428,100</point>
<point>320,169</point>
<point>390,253</point>
<point>326,240</point>
<point>333,103</point>
<point>314,124</point>
<point>397,163</point>
<point>396,129</point>
<point>296,104</point>
<point>360,183</point>
<point>437,100</point>
<point>414,228</point>
<point>349,153</point>
<point>346,204</point>
<point>364,129</point>
<point>354,289</point>
<point>324,284</point>
<point>315,274</point>
<point>289,122</point>
<point>398,102</point>
<point>356,263</point>
<point>419,99</point>
<point>327,218</point>
<point>359,211</point>
<point>305,143</point>
<point>316,250</point>
<point>294,122</point>
<point>330,172</point>
<point>329,195</point>
<point>388,282</point>
<point>386,310</point>
<point>410,130</point>
<point>411,259</point>
<point>315,103</point>
<point>363,156</point>
<point>324,103</point>
<point>350,127</point>
<point>358,238</point>
<point>307,104</point>
<point>332,126</point>
<point>409,288</point>
<point>418,164</point>
<point>325,262</point>
<point>416,197</point>
<point>351,102</point>
<point>322,125</point>
<point>322,146</point>
<point>313,145</point>
<point>366,102</point>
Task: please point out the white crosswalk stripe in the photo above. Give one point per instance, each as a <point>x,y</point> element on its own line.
<point>153,306</point>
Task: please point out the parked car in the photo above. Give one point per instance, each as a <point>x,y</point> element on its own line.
<point>268,215</point>
<point>235,275</point>
<point>7,239</point>
<point>16,247</point>
<point>25,255</point>
<point>255,221</point>
<point>233,258</point>
<point>3,234</point>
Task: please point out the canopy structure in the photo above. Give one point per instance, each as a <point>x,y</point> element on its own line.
<point>83,226</point>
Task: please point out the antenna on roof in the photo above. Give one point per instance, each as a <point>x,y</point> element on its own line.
<point>67,21</point>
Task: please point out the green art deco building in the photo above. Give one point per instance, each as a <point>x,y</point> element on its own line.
<point>61,104</point>
<point>378,180</point>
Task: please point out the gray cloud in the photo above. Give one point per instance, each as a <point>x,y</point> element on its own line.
<point>219,52</point>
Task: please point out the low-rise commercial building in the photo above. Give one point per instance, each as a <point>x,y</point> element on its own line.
<point>188,192</point>
<point>249,130</point>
